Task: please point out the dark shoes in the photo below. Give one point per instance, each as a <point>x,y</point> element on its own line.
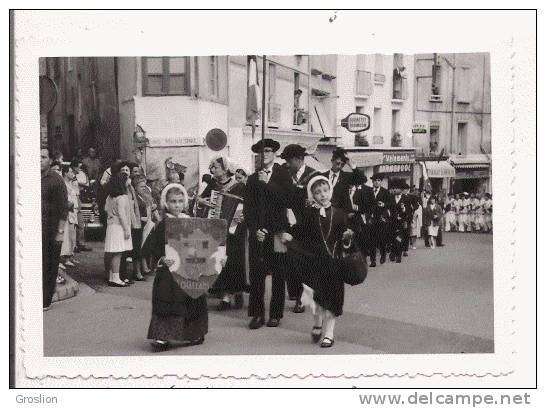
<point>256,323</point>
<point>383,259</point>
<point>140,279</point>
<point>373,264</point>
<point>316,333</point>
<point>239,301</point>
<point>405,253</point>
<point>398,260</point>
<point>273,322</point>
<point>223,305</point>
<point>392,257</point>
<point>299,308</point>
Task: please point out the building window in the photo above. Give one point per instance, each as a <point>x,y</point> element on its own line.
<point>462,138</point>
<point>377,131</point>
<point>379,76</point>
<point>396,140</point>
<point>364,85</point>
<point>436,79</point>
<point>272,82</point>
<point>463,85</point>
<point>165,75</point>
<point>213,76</point>
<point>398,78</point>
<point>299,114</point>
<point>434,141</point>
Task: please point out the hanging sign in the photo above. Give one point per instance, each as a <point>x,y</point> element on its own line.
<point>356,122</point>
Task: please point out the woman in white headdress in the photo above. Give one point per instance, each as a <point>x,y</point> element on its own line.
<point>177,318</point>
<point>313,241</point>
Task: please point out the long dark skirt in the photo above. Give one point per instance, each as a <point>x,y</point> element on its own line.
<point>175,315</point>
<point>323,276</point>
<point>232,279</point>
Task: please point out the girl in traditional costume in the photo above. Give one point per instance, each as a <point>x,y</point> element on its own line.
<point>313,241</point>
<point>177,318</point>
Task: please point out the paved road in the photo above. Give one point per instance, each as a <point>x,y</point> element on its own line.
<point>437,301</point>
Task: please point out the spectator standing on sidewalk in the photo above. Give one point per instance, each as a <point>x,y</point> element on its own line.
<point>69,240</point>
<point>92,164</point>
<point>54,213</point>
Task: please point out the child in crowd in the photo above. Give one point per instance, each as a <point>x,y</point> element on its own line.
<point>118,230</point>
<point>321,229</point>
<point>177,318</point>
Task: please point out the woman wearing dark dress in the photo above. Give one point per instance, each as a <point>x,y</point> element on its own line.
<point>314,240</point>
<point>231,283</point>
<point>177,318</point>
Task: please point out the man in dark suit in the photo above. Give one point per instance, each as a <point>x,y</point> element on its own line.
<point>380,215</point>
<point>412,204</point>
<point>265,212</point>
<point>400,220</point>
<point>342,180</point>
<point>294,155</point>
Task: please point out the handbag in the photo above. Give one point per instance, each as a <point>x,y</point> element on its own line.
<point>350,263</point>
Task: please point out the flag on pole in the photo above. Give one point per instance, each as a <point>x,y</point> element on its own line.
<point>253,97</point>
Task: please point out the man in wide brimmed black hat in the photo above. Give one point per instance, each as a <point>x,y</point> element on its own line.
<point>266,144</point>
<point>265,212</point>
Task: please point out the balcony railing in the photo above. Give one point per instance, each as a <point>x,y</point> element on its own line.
<point>364,84</point>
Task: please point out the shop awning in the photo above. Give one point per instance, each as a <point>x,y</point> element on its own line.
<point>366,159</point>
<point>473,161</point>
<point>440,169</point>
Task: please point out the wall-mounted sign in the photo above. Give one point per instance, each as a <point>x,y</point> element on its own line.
<point>420,127</point>
<point>398,157</point>
<point>393,168</point>
<point>175,141</point>
<point>356,122</point>
<point>216,139</point>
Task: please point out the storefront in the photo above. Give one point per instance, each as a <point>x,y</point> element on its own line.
<point>472,174</point>
<point>365,159</point>
<point>397,164</point>
<point>440,175</point>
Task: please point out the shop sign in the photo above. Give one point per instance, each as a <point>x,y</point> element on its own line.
<point>398,157</point>
<point>420,127</point>
<point>394,168</point>
<point>366,159</point>
<point>470,174</point>
<point>356,122</point>
<point>176,141</point>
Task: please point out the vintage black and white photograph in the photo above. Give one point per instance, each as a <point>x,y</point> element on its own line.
<point>284,198</point>
<point>356,194</point>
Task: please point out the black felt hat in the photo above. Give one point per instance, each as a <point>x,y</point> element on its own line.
<point>339,153</point>
<point>293,150</point>
<point>377,177</point>
<point>261,144</point>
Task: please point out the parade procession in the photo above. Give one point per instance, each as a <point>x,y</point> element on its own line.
<point>264,189</point>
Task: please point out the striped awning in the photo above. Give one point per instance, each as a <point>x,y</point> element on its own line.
<point>440,169</point>
<point>474,161</point>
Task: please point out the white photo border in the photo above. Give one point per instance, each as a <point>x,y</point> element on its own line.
<point>510,40</point>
